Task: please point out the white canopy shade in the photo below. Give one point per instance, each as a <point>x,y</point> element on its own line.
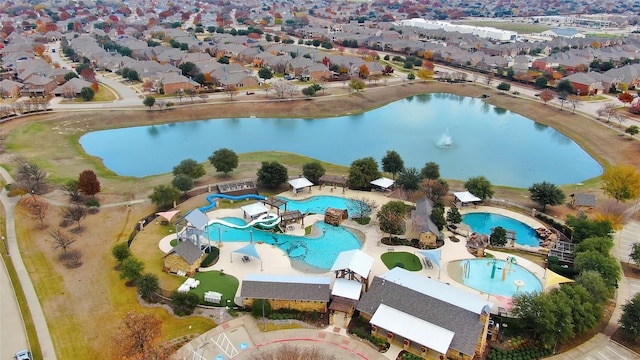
<point>383,182</point>
<point>255,209</point>
<point>350,289</point>
<point>355,260</point>
<point>300,183</point>
<point>466,197</point>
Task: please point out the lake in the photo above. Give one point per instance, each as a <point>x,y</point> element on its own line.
<point>464,135</point>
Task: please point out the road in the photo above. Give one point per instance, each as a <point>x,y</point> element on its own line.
<point>13,336</point>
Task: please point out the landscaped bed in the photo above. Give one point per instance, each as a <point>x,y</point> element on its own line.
<point>401,259</point>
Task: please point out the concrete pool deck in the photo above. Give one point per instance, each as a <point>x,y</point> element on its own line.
<point>276,262</point>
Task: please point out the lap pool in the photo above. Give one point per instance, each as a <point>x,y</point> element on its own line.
<point>482,223</point>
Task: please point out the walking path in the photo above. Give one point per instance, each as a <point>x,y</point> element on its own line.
<point>39,320</point>
<point>13,335</point>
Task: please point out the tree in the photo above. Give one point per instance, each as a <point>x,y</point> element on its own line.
<point>409,180</point>
<point>356,85</point>
<point>265,73</point>
<point>565,86</point>
<point>635,253</point>
<point>626,98</point>
<point>38,208</point>
<point>73,191</point>
<point>313,171</point>
<point>504,86</point>
<point>70,75</point>
<point>411,76</point>
<point>120,252</point>
<point>605,264</point>
<point>224,160</point>
<point>131,269</point>
<point>363,71</point>
<point>88,183</point>
<point>608,111</point>
<point>74,213</point>
<point>545,193</point>
<point>189,167</point>
<point>547,95</point>
<point>30,177</point>
<point>61,240</point>
<point>437,216</point>
<point>498,236</point>
<point>188,68</point>
<point>594,284</point>
<point>182,182</point>
<point>361,207</point>
<point>138,337</point>
<point>260,308</point>
<point>231,90</point>
<point>583,228</point>
<point>425,74</point>
<point>489,79</point>
<point>454,216</point>
<point>621,182</point>
<point>574,102</point>
<point>541,82</point>
<point>549,318</point>
<point>184,303</point>
<point>435,190</point>
<point>630,318</point>
<point>430,171</point>
<point>392,163</point>
<point>87,93</point>
<point>391,217</point>
<point>632,130</point>
<point>149,101</point>
<point>480,187</point>
<point>309,91</point>
<point>272,174</point>
<point>164,195</point>
<point>148,284</point>
<point>362,172</point>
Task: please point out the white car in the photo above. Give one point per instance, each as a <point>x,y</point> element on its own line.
<point>23,355</point>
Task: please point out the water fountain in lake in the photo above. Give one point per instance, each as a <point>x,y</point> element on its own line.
<point>445,140</point>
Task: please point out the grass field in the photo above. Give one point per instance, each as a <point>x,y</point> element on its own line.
<point>408,260</point>
<point>216,281</point>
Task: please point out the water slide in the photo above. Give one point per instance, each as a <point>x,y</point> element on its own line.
<point>266,221</point>
<point>212,202</point>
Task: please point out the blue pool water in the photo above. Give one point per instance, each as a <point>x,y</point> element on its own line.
<point>479,277</point>
<point>505,147</point>
<point>320,252</point>
<point>483,222</point>
<point>319,204</point>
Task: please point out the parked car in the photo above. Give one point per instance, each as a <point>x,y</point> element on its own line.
<point>250,93</point>
<point>23,355</point>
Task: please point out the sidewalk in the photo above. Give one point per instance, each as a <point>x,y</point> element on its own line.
<point>39,320</point>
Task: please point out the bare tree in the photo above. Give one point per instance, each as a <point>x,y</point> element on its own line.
<point>73,191</point>
<point>37,207</point>
<point>574,102</point>
<point>179,94</point>
<point>231,90</point>
<point>292,90</point>
<point>138,337</point>
<point>281,88</point>
<point>190,93</point>
<point>203,96</point>
<point>562,99</point>
<point>68,93</point>
<point>363,206</point>
<point>74,213</point>
<point>474,77</point>
<point>31,178</point>
<point>61,241</point>
<point>489,79</point>
<point>161,104</point>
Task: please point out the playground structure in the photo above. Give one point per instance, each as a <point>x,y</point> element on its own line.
<point>494,266</point>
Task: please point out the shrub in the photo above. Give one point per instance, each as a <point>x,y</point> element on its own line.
<point>259,307</point>
<point>211,258</point>
<point>184,303</point>
<point>92,202</point>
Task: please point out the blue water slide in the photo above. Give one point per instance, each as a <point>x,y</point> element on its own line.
<point>212,202</point>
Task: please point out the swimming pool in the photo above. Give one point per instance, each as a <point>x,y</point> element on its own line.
<point>319,204</point>
<point>476,274</point>
<point>320,252</point>
<point>483,222</point>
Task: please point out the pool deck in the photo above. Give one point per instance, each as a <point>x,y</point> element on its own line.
<point>276,262</point>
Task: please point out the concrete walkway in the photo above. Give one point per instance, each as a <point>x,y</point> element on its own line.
<point>13,335</point>
<point>39,320</point>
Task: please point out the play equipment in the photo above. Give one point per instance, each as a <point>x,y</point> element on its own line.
<point>212,202</point>
<point>265,221</point>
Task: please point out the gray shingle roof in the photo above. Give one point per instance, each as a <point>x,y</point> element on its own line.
<point>585,199</point>
<point>465,324</point>
<point>188,251</point>
<point>285,290</point>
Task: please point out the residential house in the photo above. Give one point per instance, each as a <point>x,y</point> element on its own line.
<point>185,257</point>
<point>72,87</point>
<point>304,293</point>
<point>173,83</point>
<point>239,79</point>
<point>584,84</point>
<point>426,317</point>
<point>38,86</point>
<point>9,88</point>
<point>628,74</point>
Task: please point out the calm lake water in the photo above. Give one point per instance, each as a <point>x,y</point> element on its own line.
<point>464,135</point>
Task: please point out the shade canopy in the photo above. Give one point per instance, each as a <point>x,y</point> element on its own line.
<point>383,182</point>
<point>197,219</point>
<point>466,197</point>
<point>255,209</point>
<point>433,255</point>
<point>355,260</point>
<point>554,279</point>
<point>249,250</point>
<point>168,214</point>
<point>350,289</point>
<point>300,183</point>
<point>505,301</point>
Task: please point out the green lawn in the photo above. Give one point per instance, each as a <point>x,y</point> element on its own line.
<point>217,281</point>
<point>408,260</point>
